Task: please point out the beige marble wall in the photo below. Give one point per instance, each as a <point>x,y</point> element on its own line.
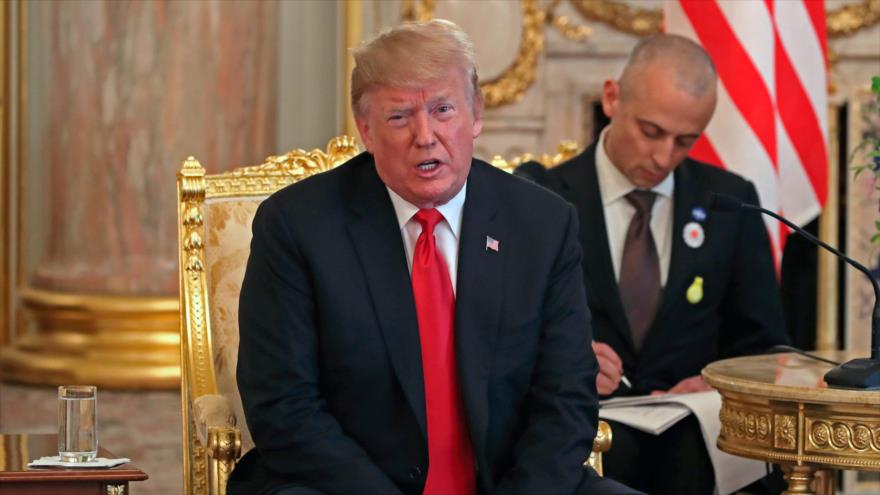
<point>119,94</point>
<point>309,74</point>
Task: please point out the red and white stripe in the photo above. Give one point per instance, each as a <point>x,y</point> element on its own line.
<point>771,124</point>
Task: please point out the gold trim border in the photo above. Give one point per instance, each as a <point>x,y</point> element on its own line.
<point>5,177</point>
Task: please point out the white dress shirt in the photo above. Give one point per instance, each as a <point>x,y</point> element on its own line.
<point>446,232</point>
<point>613,187</point>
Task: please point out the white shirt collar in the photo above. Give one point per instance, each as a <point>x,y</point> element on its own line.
<point>452,210</point>
<point>613,185</point>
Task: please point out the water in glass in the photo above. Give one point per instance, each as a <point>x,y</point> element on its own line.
<point>77,423</point>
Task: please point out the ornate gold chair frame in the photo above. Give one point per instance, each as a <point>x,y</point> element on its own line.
<point>214,434</point>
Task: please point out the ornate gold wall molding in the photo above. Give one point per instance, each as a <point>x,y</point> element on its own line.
<point>512,83</point>
<point>840,22</point>
<point>847,19</point>
<point>621,16</point>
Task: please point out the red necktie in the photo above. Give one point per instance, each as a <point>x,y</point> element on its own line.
<point>450,455</point>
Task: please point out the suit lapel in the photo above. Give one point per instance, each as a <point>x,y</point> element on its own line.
<point>583,182</point>
<point>687,197</point>
<point>478,296</point>
<point>376,237</point>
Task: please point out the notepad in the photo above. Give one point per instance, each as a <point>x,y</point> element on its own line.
<point>654,419</point>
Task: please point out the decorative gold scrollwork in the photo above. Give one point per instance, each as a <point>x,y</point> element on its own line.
<point>194,241</point>
<point>278,171</point>
<point>854,436</point>
<point>847,19</point>
<point>578,33</point>
<point>620,16</point>
<point>193,217</point>
<point>115,490</point>
<point>747,425</point>
<point>194,264</point>
<point>512,83</point>
<point>564,151</point>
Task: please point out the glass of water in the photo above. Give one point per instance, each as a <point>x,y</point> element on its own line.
<point>77,423</point>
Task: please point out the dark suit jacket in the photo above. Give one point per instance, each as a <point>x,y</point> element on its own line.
<point>740,312</point>
<point>329,362</point>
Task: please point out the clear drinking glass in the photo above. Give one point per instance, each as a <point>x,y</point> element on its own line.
<point>77,423</point>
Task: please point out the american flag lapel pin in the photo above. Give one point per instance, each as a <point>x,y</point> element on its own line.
<point>491,244</point>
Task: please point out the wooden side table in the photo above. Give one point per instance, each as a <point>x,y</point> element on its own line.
<point>777,408</point>
<point>16,450</point>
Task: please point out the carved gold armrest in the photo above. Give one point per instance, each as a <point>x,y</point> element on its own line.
<point>602,443</point>
<point>212,411</point>
<point>217,431</point>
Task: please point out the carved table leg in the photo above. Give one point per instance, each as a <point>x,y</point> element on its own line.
<point>799,478</point>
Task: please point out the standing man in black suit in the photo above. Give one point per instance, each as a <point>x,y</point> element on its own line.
<point>414,321</point>
<point>672,286</point>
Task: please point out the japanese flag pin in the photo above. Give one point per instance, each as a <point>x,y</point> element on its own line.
<point>693,235</point>
<point>694,293</point>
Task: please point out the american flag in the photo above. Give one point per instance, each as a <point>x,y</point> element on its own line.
<point>771,122</point>
<point>491,244</point>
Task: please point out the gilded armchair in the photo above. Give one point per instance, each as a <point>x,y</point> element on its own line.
<point>214,216</point>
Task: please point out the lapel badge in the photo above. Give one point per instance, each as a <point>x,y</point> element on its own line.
<point>699,213</point>
<point>694,293</point>
<point>693,235</point>
<point>492,244</point>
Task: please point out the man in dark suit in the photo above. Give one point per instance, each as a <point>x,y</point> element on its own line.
<point>376,357</point>
<point>671,285</point>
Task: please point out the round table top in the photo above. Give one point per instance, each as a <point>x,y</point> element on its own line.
<point>786,376</point>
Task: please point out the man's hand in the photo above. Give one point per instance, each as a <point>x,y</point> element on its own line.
<point>610,368</point>
<point>686,386</point>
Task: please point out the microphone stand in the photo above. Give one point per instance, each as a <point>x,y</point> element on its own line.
<point>860,373</point>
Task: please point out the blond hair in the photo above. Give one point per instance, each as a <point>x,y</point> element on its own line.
<point>412,54</point>
<point>694,70</point>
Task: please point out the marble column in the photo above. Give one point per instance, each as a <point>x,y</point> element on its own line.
<point>118,93</point>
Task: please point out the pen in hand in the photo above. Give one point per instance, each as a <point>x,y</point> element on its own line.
<point>626,381</point>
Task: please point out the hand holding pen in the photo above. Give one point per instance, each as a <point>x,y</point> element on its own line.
<point>610,374</point>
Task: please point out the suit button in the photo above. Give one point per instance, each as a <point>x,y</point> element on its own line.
<point>415,473</point>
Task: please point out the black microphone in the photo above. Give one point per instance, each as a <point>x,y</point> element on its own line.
<point>860,373</point>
